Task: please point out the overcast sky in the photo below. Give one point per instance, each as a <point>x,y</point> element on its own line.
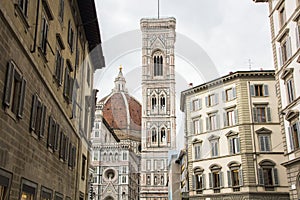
<point>225,33</point>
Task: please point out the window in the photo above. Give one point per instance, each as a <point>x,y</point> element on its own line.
<point>46,194</point>
<point>196,104</point>
<point>268,174</point>
<point>148,165</point>
<point>61,10</point>
<point>230,117</point>
<point>261,114</point>
<point>23,5</point>
<point>197,150</point>
<point>162,182</point>
<point>72,156</point>
<point>282,15</point>
<point>197,126</point>
<point>70,36</point>
<point>153,102</point>
<point>163,138</point>
<point>285,50</point>
<point>68,85</point>
<point>58,196</point>
<point>290,90</point>
<point>28,190</point>
<point>229,94</point>
<point>259,90</point>
<point>212,99</point>
<point>96,155</point>
<point>234,145</point>
<point>148,179</point>
<point>44,35</point>
<point>294,135</point>
<point>235,176</point>
<point>53,134</point>
<point>154,135</point>
<point>214,145</point>
<point>158,65</point>
<point>97,125</point>
<point>83,164</point>
<point>212,122</point>
<point>125,156</point>
<point>198,180</point>
<point>14,93</point>
<point>38,116</point>
<point>5,183</point>
<point>265,143</point>
<point>124,179</point>
<point>155,180</point>
<point>63,146</point>
<point>59,66</point>
<point>96,134</point>
<point>216,178</point>
<point>124,169</point>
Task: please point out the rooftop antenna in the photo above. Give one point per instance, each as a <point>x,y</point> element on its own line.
<point>158,8</point>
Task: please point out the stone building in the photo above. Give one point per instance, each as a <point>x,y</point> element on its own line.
<point>116,141</point>
<point>158,114</point>
<point>233,137</point>
<point>285,26</point>
<point>48,58</point>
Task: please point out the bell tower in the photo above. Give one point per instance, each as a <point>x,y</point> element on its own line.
<point>158,105</point>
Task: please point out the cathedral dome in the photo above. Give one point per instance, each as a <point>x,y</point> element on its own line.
<point>122,111</point>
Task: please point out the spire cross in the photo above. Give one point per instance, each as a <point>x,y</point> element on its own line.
<point>120,68</point>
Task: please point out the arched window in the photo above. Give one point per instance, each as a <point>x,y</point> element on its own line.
<point>163,135</point>
<point>155,180</point>
<point>104,156</point>
<point>162,180</point>
<point>198,180</point>
<point>234,175</point>
<point>154,135</point>
<point>153,102</point>
<point>158,65</point>
<point>162,101</point>
<point>116,156</point>
<point>268,174</point>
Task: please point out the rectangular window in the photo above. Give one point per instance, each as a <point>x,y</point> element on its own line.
<point>212,99</point>
<point>197,126</point>
<point>5,183</point>
<point>96,155</point>
<point>235,178</point>
<point>230,94</point>
<point>83,164</point>
<point>261,114</point>
<point>44,35</point>
<point>14,93</point>
<point>68,84</point>
<point>199,183</point>
<point>72,156</point>
<point>58,196</point>
<point>290,90</point>
<point>38,116</point>
<point>46,194</point>
<point>212,122</point>
<point>216,179</point>
<point>28,190</point>
<point>196,104</point>
<point>96,134</point>
<point>285,50</point>
<point>148,179</point>
<point>197,151</point>
<point>214,148</point>
<point>53,134</point>
<point>294,135</point>
<point>70,36</point>
<point>63,147</point>
<point>259,90</point>
<point>23,5</point>
<point>59,66</point>
<point>282,15</point>
<point>125,156</point>
<point>230,118</point>
<point>264,143</point>
<point>61,10</point>
<point>234,145</point>
<point>268,176</point>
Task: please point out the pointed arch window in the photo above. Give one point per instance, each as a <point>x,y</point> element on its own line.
<point>162,101</point>
<point>158,65</point>
<point>163,135</point>
<point>154,135</point>
<point>153,102</point>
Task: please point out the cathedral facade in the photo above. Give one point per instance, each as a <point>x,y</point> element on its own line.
<point>158,105</point>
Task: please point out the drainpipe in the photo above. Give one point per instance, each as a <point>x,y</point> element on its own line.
<point>253,135</point>
<point>36,26</point>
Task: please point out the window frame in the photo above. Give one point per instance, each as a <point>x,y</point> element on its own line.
<point>27,185</point>
<point>5,183</point>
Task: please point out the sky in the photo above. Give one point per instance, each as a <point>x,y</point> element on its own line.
<point>214,38</point>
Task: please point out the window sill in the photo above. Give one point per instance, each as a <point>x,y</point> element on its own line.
<point>21,15</point>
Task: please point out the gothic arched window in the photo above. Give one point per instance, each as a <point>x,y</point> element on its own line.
<point>162,101</point>
<point>158,65</point>
<point>154,135</point>
<point>163,135</point>
<point>153,102</point>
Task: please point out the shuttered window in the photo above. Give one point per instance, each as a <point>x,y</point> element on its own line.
<point>53,134</point>
<point>44,35</point>
<point>59,66</point>
<point>265,143</point>
<point>14,91</point>
<point>38,116</point>
<point>261,114</point>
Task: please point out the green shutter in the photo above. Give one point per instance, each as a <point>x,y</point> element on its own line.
<point>223,96</point>
<point>221,177</point>
<point>193,182</point>
<point>236,117</point>
<point>230,146</point>
<point>225,119</point>
<point>238,145</point>
<point>201,125</point>
<point>298,133</point>
<point>218,121</point>
<point>61,71</point>
<point>56,136</point>
<point>206,102</point>
<point>216,98</point>
<point>200,103</point>
<point>207,124</point>
<point>254,113</point>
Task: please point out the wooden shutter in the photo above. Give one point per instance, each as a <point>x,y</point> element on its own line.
<point>266,90</point>
<point>291,138</point>
<point>267,143</point>
<point>61,145</point>
<point>280,57</point>
<point>200,103</point>
<point>298,133</point>
<point>216,98</point>
<point>8,83</point>
<point>233,92</point>
<point>269,114</point>
<point>241,182</point>
<point>206,102</point>
<point>289,47</point>
<point>33,112</point>
<point>70,162</point>
<point>191,106</point>
<point>254,113</point>
<point>225,119</point>
<point>56,136</point>
<point>236,116</point>
<point>238,145</point>
<point>71,83</point>
<point>74,156</point>
<point>211,180</point>
<point>230,146</point>
<point>203,181</point>
<point>260,176</point>
<point>221,178</point>
<point>207,124</point>
<point>192,127</point>
<point>201,125</point>
<point>66,149</point>
<point>50,132</point>
<point>61,70</point>
<point>229,178</point>
<point>223,96</point>
<point>262,143</point>
<point>297,36</point>
<point>42,122</point>
<point>252,91</point>
<point>275,174</point>
<point>66,82</point>
<point>194,182</point>
<point>22,98</point>
<point>218,121</point>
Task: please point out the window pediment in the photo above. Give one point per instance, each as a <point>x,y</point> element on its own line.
<point>266,163</point>
<point>263,130</point>
<point>231,133</point>
<point>213,137</point>
<point>198,170</point>
<point>197,141</point>
<point>286,73</point>
<point>215,167</point>
<point>234,164</point>
<point>292,114</point>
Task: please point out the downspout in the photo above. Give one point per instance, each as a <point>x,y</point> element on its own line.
<point>253,136</point>
<point>36,26</point>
